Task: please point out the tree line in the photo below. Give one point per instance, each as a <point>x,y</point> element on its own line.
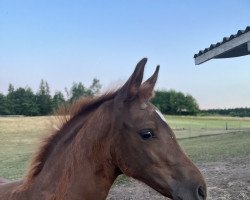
<point>234,112</point>
<point>23,101</point>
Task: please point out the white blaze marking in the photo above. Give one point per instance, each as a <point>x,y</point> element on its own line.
<point>161,115</point>
<point>163,118</point>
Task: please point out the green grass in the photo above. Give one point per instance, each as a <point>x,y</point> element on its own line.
<point>217,147</point>
<point>209,122</point>
<point>19,138</point>
<point>189,126</point>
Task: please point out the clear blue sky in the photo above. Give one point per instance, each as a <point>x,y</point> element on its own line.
<point>65,41</point>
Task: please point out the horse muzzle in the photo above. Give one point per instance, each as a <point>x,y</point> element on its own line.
<point>190,193</point>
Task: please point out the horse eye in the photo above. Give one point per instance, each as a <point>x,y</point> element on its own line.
<point>146,134</point>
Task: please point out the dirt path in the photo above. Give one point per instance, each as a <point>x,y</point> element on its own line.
<point>226,180</point>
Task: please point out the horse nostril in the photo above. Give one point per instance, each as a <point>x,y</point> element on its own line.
<point>201,193</point>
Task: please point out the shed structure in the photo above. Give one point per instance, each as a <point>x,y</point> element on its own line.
<point>234,46</point>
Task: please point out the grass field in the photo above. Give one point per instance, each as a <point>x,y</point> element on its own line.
<point>209,122</point>
<point>19,137</point>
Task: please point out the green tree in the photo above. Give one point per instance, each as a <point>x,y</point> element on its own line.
<point>175,103</point>
<point>95,87</point>
<point>58,99</point>
<point>192,105</point>
<point>21,102</point>
<point>79,90</point>
<point>161,101</point>
<point>4,110</point>
<point>76,91</point>
<point>10,99</point>
<point>24,102</point>
<point>43,99</point>
<point>11,88</point>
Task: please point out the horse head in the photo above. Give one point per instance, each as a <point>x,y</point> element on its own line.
<point>146,148</point>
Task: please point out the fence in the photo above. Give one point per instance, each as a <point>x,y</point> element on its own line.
<point>185,127</point>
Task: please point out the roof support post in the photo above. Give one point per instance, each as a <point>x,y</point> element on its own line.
<point>248,46</point>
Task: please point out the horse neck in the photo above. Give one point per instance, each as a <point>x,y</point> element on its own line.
<point>84,168</point>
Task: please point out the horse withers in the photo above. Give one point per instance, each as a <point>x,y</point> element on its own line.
<point>119,132</point>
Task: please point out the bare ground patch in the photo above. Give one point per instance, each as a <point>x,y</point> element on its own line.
<point>228,179</point>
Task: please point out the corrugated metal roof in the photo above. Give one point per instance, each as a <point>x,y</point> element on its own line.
<point>225,39</point>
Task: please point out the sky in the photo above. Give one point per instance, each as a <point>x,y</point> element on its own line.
<point>72,41</point>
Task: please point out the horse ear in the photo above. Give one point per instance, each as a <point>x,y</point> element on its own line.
<point>147,88</point>
<point>131,88</point>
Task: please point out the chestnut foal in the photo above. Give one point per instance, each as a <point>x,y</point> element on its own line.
<point>117,133</point>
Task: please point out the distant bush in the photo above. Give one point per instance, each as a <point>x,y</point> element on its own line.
<point>175,103</point>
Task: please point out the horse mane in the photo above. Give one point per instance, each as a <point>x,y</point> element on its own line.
<point>66,114</point>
